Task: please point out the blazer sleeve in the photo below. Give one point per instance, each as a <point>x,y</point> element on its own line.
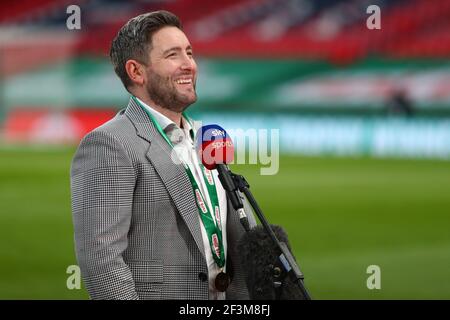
<point>102,184</point>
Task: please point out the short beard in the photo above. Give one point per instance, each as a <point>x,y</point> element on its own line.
<point>163,93</point>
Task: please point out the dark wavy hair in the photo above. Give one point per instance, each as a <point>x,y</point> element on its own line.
<point>134,40</point>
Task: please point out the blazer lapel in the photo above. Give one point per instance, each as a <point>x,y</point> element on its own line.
<point>172,175</point>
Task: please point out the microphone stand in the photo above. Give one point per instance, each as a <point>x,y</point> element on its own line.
<point>230,187</point>
<point>286,259</point>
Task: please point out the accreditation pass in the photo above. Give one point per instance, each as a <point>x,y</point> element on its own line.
<point>226,310</point>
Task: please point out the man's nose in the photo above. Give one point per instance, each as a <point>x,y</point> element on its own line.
<point>188,63</point>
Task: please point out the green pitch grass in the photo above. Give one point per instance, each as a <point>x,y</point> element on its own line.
<point>341,215</point>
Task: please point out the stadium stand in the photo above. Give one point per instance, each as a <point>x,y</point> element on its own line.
<point>264,55</point>
<point>331,29</point>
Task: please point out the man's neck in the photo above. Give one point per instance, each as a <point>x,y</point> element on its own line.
<point>172,115</point>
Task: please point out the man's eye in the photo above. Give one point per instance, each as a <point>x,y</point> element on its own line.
<point>171,55</point>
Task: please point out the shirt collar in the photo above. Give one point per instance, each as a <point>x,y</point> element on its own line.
<point>168,125</point>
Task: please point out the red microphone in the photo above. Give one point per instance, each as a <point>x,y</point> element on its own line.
<point>214,146</point>
<point>215,149</point>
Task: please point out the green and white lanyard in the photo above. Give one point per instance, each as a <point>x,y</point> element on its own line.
<point>213,230</point>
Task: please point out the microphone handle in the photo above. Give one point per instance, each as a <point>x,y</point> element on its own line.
<point>232,192</point>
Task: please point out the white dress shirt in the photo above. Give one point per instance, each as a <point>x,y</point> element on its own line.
<point>184,146</point>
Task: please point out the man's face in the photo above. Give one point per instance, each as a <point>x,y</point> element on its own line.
<point>172,72</point>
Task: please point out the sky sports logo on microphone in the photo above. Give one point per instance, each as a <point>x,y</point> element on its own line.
<point>216,133</point>
<point>211,132</point>
<point>214,146</point>
<point>222,144</point>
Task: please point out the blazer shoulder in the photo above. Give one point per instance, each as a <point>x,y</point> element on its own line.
<point>118,126</point>
<point>110,142</point>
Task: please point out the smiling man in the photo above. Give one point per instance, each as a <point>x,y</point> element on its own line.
<point>138,231</point>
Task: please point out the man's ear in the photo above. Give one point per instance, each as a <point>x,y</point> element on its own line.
<point>135,71</point>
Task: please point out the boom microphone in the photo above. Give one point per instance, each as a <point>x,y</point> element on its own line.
<point>264,275</point>
<point>216,150</point>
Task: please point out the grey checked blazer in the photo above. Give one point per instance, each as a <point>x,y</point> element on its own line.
<point>137,230</point>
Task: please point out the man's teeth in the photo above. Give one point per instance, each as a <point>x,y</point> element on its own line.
<point>184,81</point>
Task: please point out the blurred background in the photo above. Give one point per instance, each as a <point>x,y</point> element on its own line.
<point>363,117</point>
